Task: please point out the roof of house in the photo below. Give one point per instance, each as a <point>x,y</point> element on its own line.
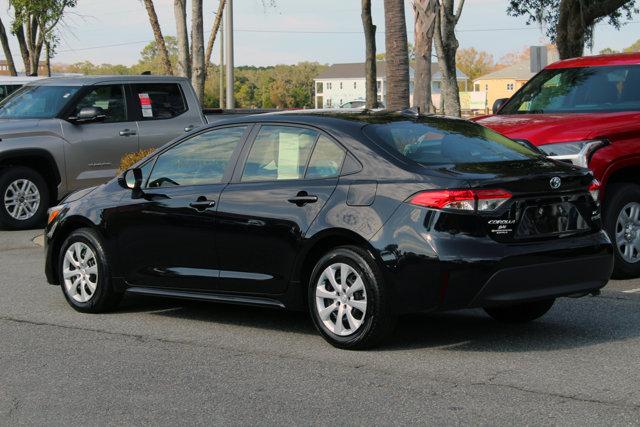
<point>519,71</point>
<point>355,70</point>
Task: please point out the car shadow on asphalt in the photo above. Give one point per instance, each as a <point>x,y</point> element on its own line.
<point>570,324</point>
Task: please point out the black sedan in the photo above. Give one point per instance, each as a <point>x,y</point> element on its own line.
<point>356,217</point>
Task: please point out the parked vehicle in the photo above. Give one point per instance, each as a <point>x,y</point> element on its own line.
<point>9,84</point>
<point>358,217</point>
<point>63,134</point>
<point>359,103</point>
<point>587,111</point>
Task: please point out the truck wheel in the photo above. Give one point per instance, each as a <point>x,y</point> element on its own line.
<point>622,222</point>
<point>24,198</point>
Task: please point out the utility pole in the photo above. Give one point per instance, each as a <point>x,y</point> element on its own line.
<point>229,25</point>
<point>221,69</point>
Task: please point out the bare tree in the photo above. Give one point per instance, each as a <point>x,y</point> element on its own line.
<point>214,32</point>
<point>7,50</point>
<point>184,56</point>
<point>446,48</point>
<point>198,73</point>
<point>397,55</point>
<point>370,47</point>
<point>157,34</point>
<point>425,12</point>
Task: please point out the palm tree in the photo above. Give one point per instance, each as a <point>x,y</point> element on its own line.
<point>397,55</point>
<point>157,34</point>
<point>370,47</point>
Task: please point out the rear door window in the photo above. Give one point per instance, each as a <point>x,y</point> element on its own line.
<point>158,101</point>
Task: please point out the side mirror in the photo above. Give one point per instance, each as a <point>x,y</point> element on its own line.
<point>88,115</point>
<point>497,105</point>
<point>132,179</point>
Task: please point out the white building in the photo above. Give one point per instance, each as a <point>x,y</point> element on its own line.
<point>342,83</point>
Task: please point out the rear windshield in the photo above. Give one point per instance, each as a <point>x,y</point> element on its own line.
<point>440,141</point>
<point>579,90</point>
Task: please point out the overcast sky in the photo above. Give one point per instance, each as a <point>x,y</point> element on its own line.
<point>327,31</point>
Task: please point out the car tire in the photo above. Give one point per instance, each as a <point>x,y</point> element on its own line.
<point>84,275</point>
<point>364,307</point>
<point>24,198</point>
<point>520,313</point>
<point>619,198</point>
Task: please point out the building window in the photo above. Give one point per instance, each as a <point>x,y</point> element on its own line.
<point>329,85</point>
<point>340,85</point>
<point>319,87</point>
<point>486,87</point>
<point>379,98</point>
<point>476,87</point>
<point>509,86</point>
<point>379,85</point>
<point>355,85</point>
<point>329,103</point>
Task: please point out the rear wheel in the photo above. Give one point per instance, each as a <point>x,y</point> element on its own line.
<point>84,273</point>
<point>520,313</point>
<point>348,301</point>
<point>24,198</point>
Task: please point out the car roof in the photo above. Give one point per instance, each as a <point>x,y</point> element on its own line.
<point>92,80</point>
<point>598,61</point>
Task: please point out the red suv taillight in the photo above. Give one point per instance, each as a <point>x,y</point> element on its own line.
<point>465,200</point>
<point>594,189</point>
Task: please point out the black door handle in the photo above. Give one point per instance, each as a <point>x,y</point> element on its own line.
<point>302,198</point>
<point>202,204</point>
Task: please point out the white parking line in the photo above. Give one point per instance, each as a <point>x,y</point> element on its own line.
<point>632,291</point>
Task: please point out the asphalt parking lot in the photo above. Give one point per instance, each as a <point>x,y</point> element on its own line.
<point>167,362</point>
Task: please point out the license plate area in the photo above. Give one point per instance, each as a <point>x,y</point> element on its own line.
<point>551,219</point>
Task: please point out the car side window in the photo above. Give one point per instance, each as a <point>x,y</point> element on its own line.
<point>199,160</point>
<point>158,101</point>
<point>326,160</point>
<point>278,153</point>
<point>108,99</point>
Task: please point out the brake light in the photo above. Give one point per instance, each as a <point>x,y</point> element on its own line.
<point>465,200</point>
<point>594,189</point>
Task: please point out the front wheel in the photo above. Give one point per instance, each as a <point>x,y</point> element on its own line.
<point>24,198</point>
<point>348,300</point>
<point>84,273</point>
<point>520,313</point>
<point>622,222</point>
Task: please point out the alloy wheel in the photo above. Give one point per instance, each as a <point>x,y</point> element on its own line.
<point>341,299</point>
<point>22,199</point>
<point>80,272</point>
<point>628,232</point>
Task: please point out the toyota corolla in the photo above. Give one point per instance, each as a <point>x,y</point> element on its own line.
<point>357,217</point>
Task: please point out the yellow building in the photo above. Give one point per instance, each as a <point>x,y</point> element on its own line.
<point>504,82</point>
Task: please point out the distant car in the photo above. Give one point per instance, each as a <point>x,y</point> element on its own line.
<point>357,218</point>
<point>64,134</point>
<point>586,111</point>
<point>9,84</point>
<point>359,104</point>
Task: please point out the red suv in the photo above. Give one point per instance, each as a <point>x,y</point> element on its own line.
<point>587,111</point>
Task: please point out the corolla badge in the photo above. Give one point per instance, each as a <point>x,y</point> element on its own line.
<point>555,182</point>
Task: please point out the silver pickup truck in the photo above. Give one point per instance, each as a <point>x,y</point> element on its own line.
<point>58,135</point>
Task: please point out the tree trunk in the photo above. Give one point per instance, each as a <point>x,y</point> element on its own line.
<point>184,57</point>
<point>197,49</point>
<point>24,50</point>
<point>446,48</point>
<point>370,47</point>
<point>425,12</point>
<point>7,50</point>
<point>157,34</point>
<point>48,59</point>
<point>214,32</point>
<point>397,55</point>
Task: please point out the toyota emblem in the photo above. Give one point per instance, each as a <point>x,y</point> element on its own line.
<point>555,182</point>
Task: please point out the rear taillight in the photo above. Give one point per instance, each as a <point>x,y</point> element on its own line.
<point>594,189</point>
<point>464,200</point>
